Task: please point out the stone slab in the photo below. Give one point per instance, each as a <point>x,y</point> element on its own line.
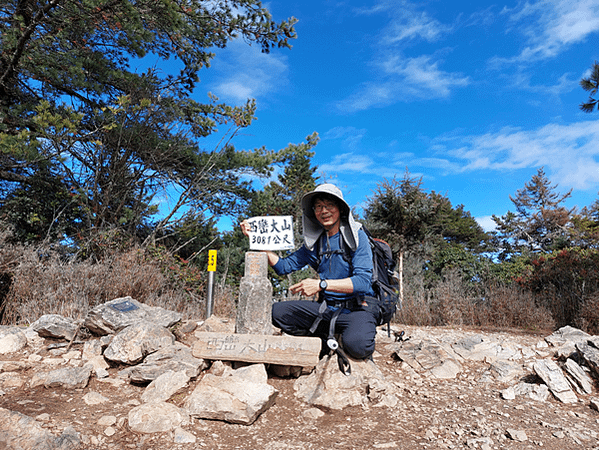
<point>256,348</point>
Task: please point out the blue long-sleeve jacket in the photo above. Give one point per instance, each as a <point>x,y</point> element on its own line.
<point>333,266</point>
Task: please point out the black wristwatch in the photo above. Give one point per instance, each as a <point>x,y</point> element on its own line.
<point>323,285</point>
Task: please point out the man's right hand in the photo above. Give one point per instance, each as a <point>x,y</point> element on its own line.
<point>245,227</point>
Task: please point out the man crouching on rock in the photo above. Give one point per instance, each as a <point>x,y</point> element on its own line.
<point>336,246</point>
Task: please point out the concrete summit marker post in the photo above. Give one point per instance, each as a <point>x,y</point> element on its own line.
<point>255,297</point>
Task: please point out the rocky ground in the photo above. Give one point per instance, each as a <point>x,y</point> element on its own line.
<point>467,405</point>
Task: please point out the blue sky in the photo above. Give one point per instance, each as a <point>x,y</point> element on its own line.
<point>474,97</point>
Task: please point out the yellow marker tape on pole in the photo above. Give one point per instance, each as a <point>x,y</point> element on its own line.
<point>211,260</point>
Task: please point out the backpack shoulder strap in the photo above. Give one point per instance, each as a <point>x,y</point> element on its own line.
<point>345,251</point>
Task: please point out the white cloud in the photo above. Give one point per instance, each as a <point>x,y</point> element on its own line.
<point>569,152</point>
<point>351,136</point>
<point>245,72</point>
<point>403,80</point>
<point>349,162</point>
<point>551,26</point>
<point>486,222</point>
<point>424,74</point>
<point>396,76</point>
<point>407,23</point>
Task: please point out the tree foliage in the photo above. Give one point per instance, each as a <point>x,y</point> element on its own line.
<point>585,230</point>
<point>425,225</point>
<point>115,139</point>
<point>541,221</point>
<point>591,85</point>
<point>401,212</point>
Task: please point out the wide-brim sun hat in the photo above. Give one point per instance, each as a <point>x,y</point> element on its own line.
<point>312,229</point>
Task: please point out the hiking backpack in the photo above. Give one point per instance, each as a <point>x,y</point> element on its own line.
<point>385,281</point>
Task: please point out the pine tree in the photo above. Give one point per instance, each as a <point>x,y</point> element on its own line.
<point>541,222</point>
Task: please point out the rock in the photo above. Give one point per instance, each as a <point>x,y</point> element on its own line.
<point>239,396</point>
<point>183,437</point>
<point>448,369</point>
<point>18,431</point>
<point>424,354</point>
<point>517,435</point>
<point>91,349</point>
<point>135,342</point>
<point>328,387</point>
<point>157,417</point>
<point>476,348</point>
<point>106,421</point>
<point>173,358</point>
<point>72,355</point>
<point>590,354</point>
<point>505,371</point>
<point>15,366</point>
<point>99,366</point>
<point>539,392</point>
<point>44,417</point>
<point>117,314</point>
<point>10,380</point>
<point>94,398</point>
<point>215,324</point>
<point>485,443</point>
<point>34,340</point>
<point>187,327</point>
<point>579,375</point>
<point>55,326</point>
<point>68,378</point>
<point>313,413</point>
<point>567,335</point>
<point>554,378</point>
<point>509,393</point>
<point>12,339</point>
<point>163,387</point>
<point>219,368</point>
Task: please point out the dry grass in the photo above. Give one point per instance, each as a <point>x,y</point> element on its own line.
<point>452,302</point>
<point>50,285</point>
<point>512,307</point>
<point>589,314</point>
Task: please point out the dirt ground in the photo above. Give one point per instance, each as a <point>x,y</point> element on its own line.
<point>456,413</point>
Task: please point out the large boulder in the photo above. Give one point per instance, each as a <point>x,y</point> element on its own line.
<point>117,314</point>
<point>328,387</point>
<point>55,326</point>
<point>158,417</point>
<point>12,339</point>
<point>238,396</point>
<point>20,432</point>
<point>67,378</point>
<point>174,358</point>
<point>134,343</point>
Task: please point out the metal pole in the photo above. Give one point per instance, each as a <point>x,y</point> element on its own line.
<point>210,287</point>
